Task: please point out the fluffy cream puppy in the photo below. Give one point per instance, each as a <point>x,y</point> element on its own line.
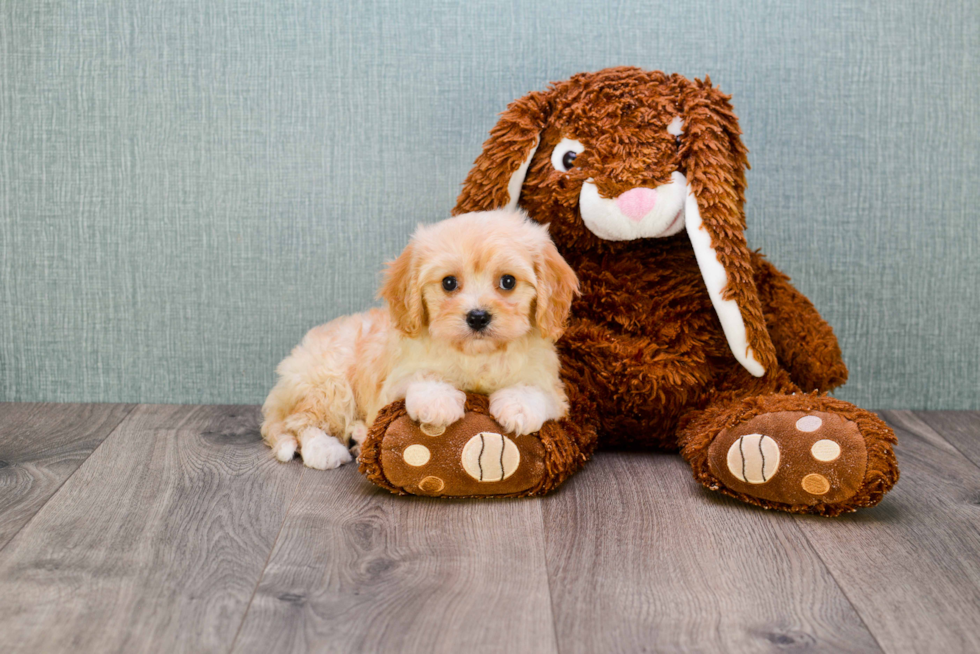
<point>474,303</point>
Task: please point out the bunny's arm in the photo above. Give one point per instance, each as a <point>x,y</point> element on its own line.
<point>805,344</point>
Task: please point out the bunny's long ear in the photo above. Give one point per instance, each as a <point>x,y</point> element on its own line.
<point>715,161</point>
<point>498,173</point>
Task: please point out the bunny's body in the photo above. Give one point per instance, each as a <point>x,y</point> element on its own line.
<point>683,338</point>
<point>645,341</point>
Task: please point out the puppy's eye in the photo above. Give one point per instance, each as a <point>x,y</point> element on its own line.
<point>564,154</point>
<point>449,283</point>
<point>507,282</point>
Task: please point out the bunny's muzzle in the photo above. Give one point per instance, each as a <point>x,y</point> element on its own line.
<point>640,212</point>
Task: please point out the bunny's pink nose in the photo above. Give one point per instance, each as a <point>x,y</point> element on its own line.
<point>637,202</point>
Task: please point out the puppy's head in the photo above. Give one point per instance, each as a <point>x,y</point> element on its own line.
<point>480,280</point>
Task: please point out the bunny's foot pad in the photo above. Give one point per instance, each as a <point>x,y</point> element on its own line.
<point>802,453</point>
<point>792,457</point>
<point>473,457</point>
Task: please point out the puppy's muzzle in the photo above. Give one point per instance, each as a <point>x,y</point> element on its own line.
<point>478,319</point>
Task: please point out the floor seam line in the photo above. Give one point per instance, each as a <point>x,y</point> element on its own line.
<point>547,574</point>
<point>796,523</point>
<point>945,440</point>
<point>65,480</point>
<point>265,566</point>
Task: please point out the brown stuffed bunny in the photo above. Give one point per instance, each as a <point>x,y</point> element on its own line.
<point>683,338</point>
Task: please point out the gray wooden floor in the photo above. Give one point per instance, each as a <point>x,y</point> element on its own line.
<point>171,528</point>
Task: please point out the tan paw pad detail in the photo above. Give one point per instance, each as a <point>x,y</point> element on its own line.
<point>416,455</point>
<point>753,458</point>
<point>490,457</point>
<point>432,484</point>
<point>825,450</point>
<point>809,423</point>
<point>432,430</point>
<point>815,484</point>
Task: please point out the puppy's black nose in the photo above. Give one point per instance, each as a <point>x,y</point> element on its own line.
<point>478,319</point>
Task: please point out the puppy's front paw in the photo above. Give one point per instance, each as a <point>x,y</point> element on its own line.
<point>519,409</point>
<point>324,453</point>
<point>435,403</point>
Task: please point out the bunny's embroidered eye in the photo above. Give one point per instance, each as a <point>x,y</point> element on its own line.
<point>507,282</point>
<point>564,154</point>
<point>449,284</point>
<point>675,129</point>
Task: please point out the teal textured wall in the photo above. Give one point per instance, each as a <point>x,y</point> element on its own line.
<point>187,187</point>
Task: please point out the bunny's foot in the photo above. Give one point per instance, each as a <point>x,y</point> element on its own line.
<point>799,453</point>
<point>473,457</point>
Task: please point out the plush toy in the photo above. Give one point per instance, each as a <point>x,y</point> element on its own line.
<point>683,339</point>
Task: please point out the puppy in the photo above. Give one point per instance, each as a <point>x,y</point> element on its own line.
<point>474,303</point>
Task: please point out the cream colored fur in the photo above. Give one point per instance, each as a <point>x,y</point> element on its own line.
<point>420,348</point>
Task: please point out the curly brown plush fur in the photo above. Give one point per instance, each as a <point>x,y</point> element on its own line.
<point>645,355</point>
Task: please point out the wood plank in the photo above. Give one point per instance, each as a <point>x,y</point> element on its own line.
<point>155,543</point>
<point>642,558</point>
<point>357,569</point>
<point>960,428</point>
<point>41,445</point>
<point>911,566</point>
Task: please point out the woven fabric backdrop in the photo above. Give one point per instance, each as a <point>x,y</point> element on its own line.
<point>187,186</point>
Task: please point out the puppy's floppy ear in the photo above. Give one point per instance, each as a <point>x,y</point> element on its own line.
<point>403,292</point>
<point>715,162</point>
<point>498,173</point>
<point>557,286</point>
